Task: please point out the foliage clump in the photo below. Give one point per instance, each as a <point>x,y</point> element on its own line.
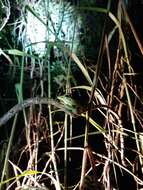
<point>94,112</point>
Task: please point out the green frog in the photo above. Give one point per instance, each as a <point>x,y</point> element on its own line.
<point>69,103</point>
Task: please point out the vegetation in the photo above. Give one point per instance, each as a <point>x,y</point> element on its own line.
<point>71,116</point>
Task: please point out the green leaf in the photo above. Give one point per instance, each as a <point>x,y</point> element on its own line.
<point>16,52</point>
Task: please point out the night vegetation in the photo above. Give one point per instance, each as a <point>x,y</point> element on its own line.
<point>71,95</point>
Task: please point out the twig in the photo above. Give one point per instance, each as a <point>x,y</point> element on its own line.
<point>29,102</point>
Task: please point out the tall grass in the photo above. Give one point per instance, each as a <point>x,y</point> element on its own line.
<point>60,142</point>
